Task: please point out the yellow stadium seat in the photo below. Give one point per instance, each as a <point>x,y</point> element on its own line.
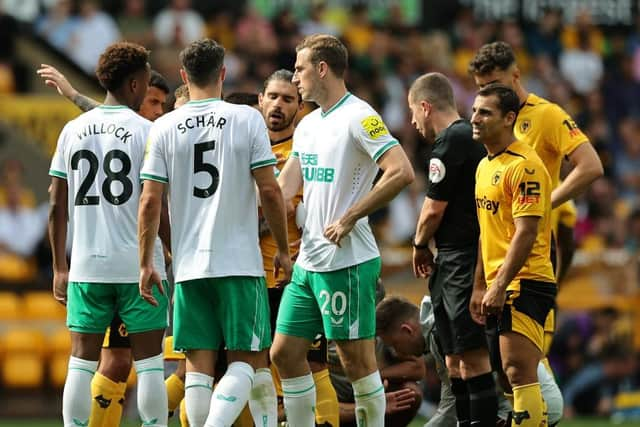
<point>41,305</point>
<point>60,342</point>
<point>22,370</point>
<point>24,342</point>
<point>9,306</point>
<point>58,369</point>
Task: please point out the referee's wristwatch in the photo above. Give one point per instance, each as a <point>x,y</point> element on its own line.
<point>420,247</point>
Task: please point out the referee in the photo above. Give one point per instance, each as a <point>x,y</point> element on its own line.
<point>449,215</point>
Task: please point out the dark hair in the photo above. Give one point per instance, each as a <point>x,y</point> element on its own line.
<point>181,91</point>
<point>283,76</point>
<point>158,81</point>
<point>202,60</point>
<point>118,62</point>
<point>490,57</point>
<point>328,49</point>
<point>507,98</point>
<point>434,88</point>
<point>392,311</point>
<point>242,98</point>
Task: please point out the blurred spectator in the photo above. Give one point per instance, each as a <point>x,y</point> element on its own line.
<point>95,31</point>
<point>544,38</point>
<point>255,35</point>
<point>359,33</point>
<point>22,10</point>
<point>581,66</point>
<point>135,24</point>
<point>628,160</point>
<point>511,33</point>
<point>571,34</point>
<point>632,243</point>
<point>13,73</point>
<point>220,28</point>
<point>22,228</point>
<point>315,23</point>
<point>58,25</point>
<point>178,24</point>
<point>12,177</point>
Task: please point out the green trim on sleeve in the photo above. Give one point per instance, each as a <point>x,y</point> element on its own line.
<point>58,174</point>
<point>263,163</point>
<point>384,149</point>
<point>149,177</point>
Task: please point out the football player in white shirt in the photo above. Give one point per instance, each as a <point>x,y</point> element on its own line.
<point>95,186</point>
<point>337,150</point>
<point>109,381</point>
<point>212,154</point>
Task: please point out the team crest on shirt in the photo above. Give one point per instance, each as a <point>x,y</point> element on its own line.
<point>525,126</point>
<point>374,126</point>
<point>437,170</point>
<point>496,178</point>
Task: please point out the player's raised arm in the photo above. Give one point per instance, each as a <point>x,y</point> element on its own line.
<point>54,78</point>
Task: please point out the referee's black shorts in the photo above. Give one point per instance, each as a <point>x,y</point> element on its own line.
<point>451,285</point>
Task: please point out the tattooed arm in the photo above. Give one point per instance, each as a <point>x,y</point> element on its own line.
<point>54,78</point>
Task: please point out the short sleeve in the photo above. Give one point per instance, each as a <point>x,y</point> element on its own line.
<point>261,154</point>
<point>58,166</point>
<point>371,133</point>
<point>566,132</point>
<point>154,167</point>
<point>530,188</point>
<point>444,168</point>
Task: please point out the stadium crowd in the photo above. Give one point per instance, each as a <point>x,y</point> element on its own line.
<point>591,71</point>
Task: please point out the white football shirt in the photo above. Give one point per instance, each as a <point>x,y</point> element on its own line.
<point>100,154</point>
<point>206,151</point>
<point>338,150</point>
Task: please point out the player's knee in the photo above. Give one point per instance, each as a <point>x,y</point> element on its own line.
<point>115,368</point>
<point>519,371</point>
<point>453,366</point>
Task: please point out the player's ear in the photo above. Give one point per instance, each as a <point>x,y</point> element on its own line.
<point>260,97</point>
<point>223,73</point>
<point>510,118</point>
<point>323,68</point>
<point>183,76</point>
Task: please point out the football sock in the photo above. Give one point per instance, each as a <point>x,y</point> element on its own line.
<point>198,389</point>
<point>263,401</point>
<point>184,422</point>
<point>327,408</point>
<point>175,392</point>
<point>463,407</point>
<point>299,400</point>
<point>76,397</point>
<point>230,395</point>
<point>528,407</point>
<point>370,400</point>
<point>152,392</point>
<point>550,393</point>
<point>483,401</point>
<point>107,397</point>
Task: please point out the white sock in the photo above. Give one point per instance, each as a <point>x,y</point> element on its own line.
<point>152,392</point>
<point>263,400</point>
<point>300,401</point>
<point>197,397</point>
<point>551,394</point>
<point>231,395</point>
<point>76,397</point>
<point>370,400</point>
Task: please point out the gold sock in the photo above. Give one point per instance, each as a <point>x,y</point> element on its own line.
<point>528,406</point>
<point>175,391</point>
<point>244,420</point>
<point>107,398</point>
<point>184,422</point>
<point>327,409</point>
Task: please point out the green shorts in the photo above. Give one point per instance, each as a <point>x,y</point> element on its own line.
<point>230,310</point>
<point>341,304</point>
<point>91,307</point>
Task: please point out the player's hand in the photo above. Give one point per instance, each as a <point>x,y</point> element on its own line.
<point>423,264</point>
<point>282,269</point>
<point>475,306</point>
<point>336,231</point>
<point>148,278</point>
<point>54,78</point>
<point>60,282</point>
<point>399,400</point>
<point>493,301</point>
